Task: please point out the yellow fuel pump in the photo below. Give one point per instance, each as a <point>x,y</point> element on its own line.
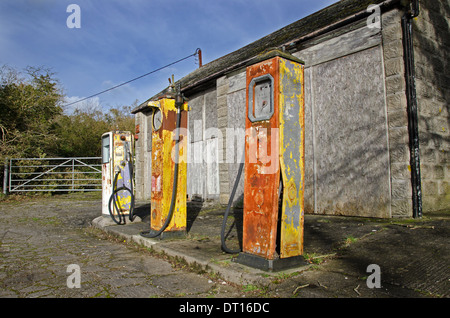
<point>168,179</point>
<point>274,164</point>
<point>117,176</point>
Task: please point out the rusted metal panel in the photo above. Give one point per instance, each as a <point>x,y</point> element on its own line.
<point>262,174</point>
<point>292,157</point>
<point>122,145</point>
<point>163,163</point>
<point>106,172</point>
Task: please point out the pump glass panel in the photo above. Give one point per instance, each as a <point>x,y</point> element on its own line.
<point>261,98</point>
<point>157,119</point>
<point>105,149</point>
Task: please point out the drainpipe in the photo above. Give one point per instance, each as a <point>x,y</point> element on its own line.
<point>413,126</point>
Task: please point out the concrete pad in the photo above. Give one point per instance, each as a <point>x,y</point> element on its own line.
<point>205,253</point>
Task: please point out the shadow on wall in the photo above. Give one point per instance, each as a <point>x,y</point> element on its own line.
<point>431,47</point>
<point>347,155</point>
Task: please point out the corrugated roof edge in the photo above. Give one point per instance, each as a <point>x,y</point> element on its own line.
<point>320,22</point>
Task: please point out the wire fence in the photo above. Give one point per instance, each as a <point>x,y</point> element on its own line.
<point>52,175</point>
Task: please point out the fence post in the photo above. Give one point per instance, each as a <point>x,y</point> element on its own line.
<point>5,177</point>
<point>73,171</point>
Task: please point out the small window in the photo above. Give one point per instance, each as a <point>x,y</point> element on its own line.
<point>105,149</point>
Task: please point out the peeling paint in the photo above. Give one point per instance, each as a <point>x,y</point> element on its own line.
<point>270,145</point>
<point>163,165</point>
<point>292,154</point>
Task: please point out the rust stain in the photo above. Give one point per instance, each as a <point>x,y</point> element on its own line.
<point>123,197</point>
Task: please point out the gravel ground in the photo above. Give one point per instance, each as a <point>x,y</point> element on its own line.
<point>41,236</point>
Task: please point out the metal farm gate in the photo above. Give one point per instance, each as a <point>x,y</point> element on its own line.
<point>53,174</point>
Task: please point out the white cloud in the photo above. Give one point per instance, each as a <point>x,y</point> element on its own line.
<point>86,105</point>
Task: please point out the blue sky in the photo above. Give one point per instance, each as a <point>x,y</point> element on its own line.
<point>122,39</point>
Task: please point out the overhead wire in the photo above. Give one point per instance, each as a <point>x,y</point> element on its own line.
<point>134,79</point>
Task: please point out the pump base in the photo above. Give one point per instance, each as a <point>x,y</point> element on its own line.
<point>166,235</point>
<point>272,265</point>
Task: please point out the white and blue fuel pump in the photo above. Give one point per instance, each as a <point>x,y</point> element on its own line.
<point>117,176</point>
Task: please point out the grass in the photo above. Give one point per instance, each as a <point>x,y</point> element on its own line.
<point>350,240</point>
<point>29,196</point>
<point>43,221</point>
<point>313,258</point>
<point>255,290</point>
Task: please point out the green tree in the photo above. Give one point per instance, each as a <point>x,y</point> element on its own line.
<point>33,123</point>
<point>30,103</point>
<point>79,134</point>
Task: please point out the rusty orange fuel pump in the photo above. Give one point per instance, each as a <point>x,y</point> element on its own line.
<point>274,164</point>
<point>169,155</point>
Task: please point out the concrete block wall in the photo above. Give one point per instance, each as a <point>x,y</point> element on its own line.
<point>222,120</point>
<point>431,31</point>
<point>400,170</point>
<point>203,149</point>
<point>143,158</point>
<point>139,158</point>
<point>231,121</point>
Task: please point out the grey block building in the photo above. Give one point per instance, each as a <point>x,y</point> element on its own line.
<point>377,96</point>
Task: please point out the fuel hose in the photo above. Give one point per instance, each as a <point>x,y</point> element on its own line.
<point>120,218</point>
<point>230,203</point>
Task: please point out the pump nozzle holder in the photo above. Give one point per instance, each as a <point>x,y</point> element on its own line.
<point>179,99</point>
